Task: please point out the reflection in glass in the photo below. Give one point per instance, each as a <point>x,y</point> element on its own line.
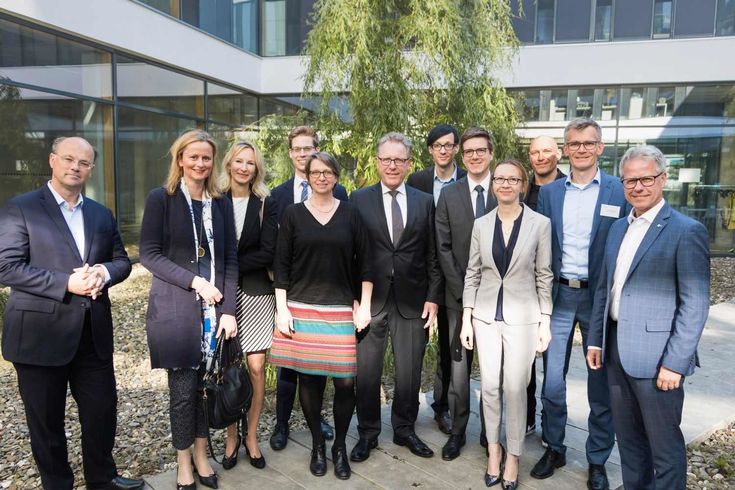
<point>725,25</point>
<point>603,20</point>
<point>662,18</point>
<point>35,57</point>
<point>607,101</point>
<point>231,106</point>
<point>245,18</point>
<point>148,85</point>
<point>545,22</point>
<point>708,101</point>
<point>274,27</point>
<point>558,105</point>
<point>273,106</point>
<point>585,98</point>
<point>162,5</point>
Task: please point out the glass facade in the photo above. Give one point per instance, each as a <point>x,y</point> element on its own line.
<point>694,125</point>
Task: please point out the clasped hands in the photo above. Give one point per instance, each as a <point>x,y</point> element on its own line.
<point>87,281</point>
<point>466,335</point>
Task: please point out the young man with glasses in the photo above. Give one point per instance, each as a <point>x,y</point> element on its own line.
<point>581,208</point>
<point>303,142</point>
<point>443,144</point>
<point>458,207</point>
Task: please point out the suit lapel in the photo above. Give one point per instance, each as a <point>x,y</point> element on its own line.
<point>613,250</point>
<point>527,224</point>
<point>604,197</point>
<point>464,191</point>
<point>491,237</point>
<point>52,208</point>
<point>411,213</point>
<point>379,212</point>
<point>252,218</point>
<point>557,212</point>
<point>658,225</point>
<point>88,217</point>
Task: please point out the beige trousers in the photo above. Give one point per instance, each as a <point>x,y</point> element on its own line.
<point>505,353</point>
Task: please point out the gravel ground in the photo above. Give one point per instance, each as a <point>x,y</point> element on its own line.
<point>143,443</point>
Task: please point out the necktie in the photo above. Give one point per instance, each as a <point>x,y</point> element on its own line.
<point>479,203</point>
<point>304,190</point>
<point>396,217</point>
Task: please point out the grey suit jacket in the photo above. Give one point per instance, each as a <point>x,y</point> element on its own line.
<point>528,281</point>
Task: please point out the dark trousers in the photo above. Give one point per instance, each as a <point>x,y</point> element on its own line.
<point>444,363</point>
<point>186,409</point>
<point>647,423</point>
<point>408,339</point>
<point>459,381</point>
<point>531,396</point>
<point>43,390</point>
<point>286,385</point>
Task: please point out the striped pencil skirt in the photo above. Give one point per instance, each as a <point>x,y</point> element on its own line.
<point>323,342</point>
<point>255,321</point>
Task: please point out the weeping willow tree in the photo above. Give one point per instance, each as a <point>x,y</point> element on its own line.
<point>403,65</point>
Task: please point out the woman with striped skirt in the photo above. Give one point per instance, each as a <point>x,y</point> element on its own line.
<point>256,231</point>
<point>323,291</point>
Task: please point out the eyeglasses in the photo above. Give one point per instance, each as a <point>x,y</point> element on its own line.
<point>646,181</point>
<point>445,147</point>
<point>327,174</point>
<point>68,160</point>
<point>509,180</point>
<point>303,149</point>
<point>469,153</point>
<point>387,162</point>
<point>576,145</point>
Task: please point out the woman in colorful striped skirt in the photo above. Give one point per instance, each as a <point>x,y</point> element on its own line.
<point>256,229</point>
<point>323,289</point>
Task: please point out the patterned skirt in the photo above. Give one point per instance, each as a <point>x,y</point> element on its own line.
<point>323,342</point>
<point>255,321</point>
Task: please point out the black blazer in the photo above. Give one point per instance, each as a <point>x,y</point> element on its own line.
<point>423,180</point>
<point>455,217</point>
<point>174,317</point>
<point>413,263</point>
<point>43,321</point>
<point>283,195</point>
<point>257,246</point>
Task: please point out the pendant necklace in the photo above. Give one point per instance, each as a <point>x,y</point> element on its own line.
<point>200,249</point>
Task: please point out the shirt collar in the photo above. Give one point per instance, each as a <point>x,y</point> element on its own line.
<point>298,180</point>
<point>595,180</point>
<point>401,188</point>
<point>60,200</point>
<point>649,215</point>
<point>485,183</point>
<point>450,179</point>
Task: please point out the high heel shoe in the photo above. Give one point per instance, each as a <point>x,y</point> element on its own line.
<point>318,464</point>
<point>209,480</point>
<point>511,484</point>
<point>258,462</point>
<point>229,462</point>
<point>188,486</point>
<point>491,480</point>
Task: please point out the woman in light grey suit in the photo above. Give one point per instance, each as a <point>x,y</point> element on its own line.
<point>507,303</point>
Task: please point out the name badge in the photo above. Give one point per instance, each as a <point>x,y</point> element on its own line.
<point>610,211</point>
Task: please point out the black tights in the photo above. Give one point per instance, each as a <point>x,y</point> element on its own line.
<point>311,395</point>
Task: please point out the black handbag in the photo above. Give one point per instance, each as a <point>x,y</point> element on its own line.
<point>227,390</point>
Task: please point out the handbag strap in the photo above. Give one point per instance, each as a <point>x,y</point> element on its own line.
<point>209,437</point>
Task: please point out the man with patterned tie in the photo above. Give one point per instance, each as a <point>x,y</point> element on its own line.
<point>406,289</point>
<point>458,207</point>
<point>303,142</point>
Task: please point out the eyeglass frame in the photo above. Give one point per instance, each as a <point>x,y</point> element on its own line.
<point>302,149</point>
<point>398,162</point>
<point>448,147</point>
<point>588,145</point>
<point>503,180</point>
<point>315,174</point>
<point>635,180</point>
<point>471,152</point>
<point>70,161</point>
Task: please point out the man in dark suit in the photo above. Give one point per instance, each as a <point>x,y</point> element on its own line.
<point>443,142</point>
<point>544,155</point>
<point>581,208</point>
<point>650,308</point>
<point>406,290</point>
<point>458,207</point>
<point>57,330</point>
<point>303,141</point>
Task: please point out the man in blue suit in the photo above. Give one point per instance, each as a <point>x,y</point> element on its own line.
<point>57,330</point>
<point>650,308</point>
<point>581,208</point>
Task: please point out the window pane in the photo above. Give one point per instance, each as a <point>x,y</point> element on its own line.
<point>38,58</point>
<point>162,5</point>
<point>148,85</point>
<point>245,32</point>
<point>274,28</point>
<point>716,101</point>
<point>572,20</point>
<point>603,20</point>
<point>297,13</point>
<point>725,18</point>
<point>231,106</point>
<point>545,22</point>
<point>212,16</point>
<point>528,103</point>
<point>273,106</point>
<point>584,102</point>
<point>633,19</point>
<point>662,19</point>
<point>523,23</point>
<point>694,17</point>
<point>29,122</point>
<point>558,105</point>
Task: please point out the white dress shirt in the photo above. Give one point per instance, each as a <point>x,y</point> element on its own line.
<point>297,189</point>
<point>485,183</point>
<point>387,205</point>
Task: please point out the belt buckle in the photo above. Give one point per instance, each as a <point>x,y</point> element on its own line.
<point>575,283</point>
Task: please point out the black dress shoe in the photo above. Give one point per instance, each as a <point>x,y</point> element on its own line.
<point>279,437</point>
<point>548,463</point>
<point>229,462</point>
<point>510,485</point>
<point>119,483</point>
<point>361,451</point>
<point>414,444</point>
<point>209,480</point>
<point>342,468</point>
<point>597,478</point>
<point>452,448</point>
<point>444,422</point>
<point>258,462</point>
<point>326,429</point>
<point>318,464</point>
<point>188,486</point>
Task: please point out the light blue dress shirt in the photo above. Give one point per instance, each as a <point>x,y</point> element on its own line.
<point>441,184</point>
<point>579,212</point>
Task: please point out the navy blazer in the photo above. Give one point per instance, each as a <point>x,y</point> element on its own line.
<point>411,267</point>
<point>174,316</point>
<point>423,180</point>
<point>257,246</point>
<point>664,302</point>
<point>283,195</point>
<point>43,321</point>
<point>551,204</point>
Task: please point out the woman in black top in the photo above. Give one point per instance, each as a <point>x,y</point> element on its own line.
<point>507,306</point>
<point>187,240</point>
<point>322,270</point>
